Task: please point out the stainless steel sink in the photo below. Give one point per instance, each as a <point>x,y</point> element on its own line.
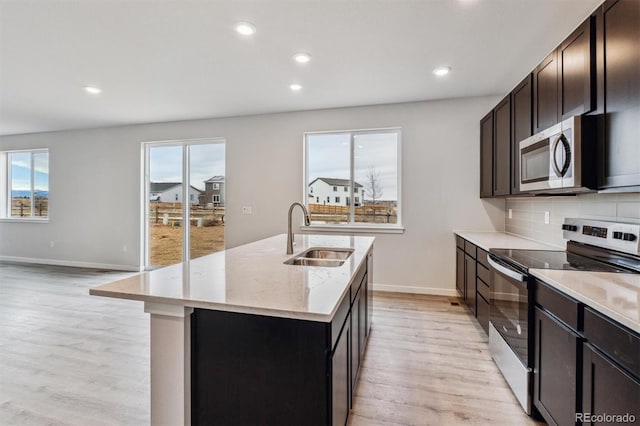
<point>303,261</point>
<point>327,253</point>
<point>321,256</point>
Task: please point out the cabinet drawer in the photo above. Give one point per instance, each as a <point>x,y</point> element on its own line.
<point>460,242</point>
<point>339,319</point>
<point>482,258</point>
<point>483,288</point>
<point>620,344</point>
<point>482,315</point>
<point>470,249</point>
<point>563,307</point>
<point>483,273</point>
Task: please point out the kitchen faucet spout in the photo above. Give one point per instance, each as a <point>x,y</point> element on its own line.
<point>290,235</point>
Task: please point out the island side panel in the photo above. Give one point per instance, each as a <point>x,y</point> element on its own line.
<point>253,369</point>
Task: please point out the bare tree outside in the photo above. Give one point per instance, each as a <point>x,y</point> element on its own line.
<point>373,186</point>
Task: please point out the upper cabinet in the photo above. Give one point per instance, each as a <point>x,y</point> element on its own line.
<point>486,156</point>
<point>618,107</point>
<point>502,148</point>
<point>564,82</point>
<point>545,93</point>
<point>594,71</point>
<point>576,74</point>
<point>521,125</point>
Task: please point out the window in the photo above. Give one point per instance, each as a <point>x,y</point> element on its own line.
<point>366,164</point>
<point>216,186</point>
<point>216,198</point>
<point>24,179</point>
<point>311,190</point>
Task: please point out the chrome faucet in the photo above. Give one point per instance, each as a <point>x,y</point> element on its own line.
<point>307,222</point>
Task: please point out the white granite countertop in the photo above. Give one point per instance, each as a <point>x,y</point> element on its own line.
<point>251,279</point>
<point>489,240</point>
<point>614,295</point>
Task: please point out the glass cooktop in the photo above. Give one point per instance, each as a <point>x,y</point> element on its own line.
<point>549,259</point>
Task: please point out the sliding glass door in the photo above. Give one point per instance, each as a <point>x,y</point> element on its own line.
<point>184,200</point>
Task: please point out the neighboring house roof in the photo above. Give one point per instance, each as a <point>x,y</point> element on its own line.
<point>219,179</point>
<point>336,182</point>
<point>165,186</point>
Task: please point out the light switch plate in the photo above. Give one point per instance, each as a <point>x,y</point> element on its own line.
<point>546,218</point>
<point>510,213</point>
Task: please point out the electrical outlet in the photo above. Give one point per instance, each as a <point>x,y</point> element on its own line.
<point>546,218</point>
<point>510,213</point>
<point>247,210</point>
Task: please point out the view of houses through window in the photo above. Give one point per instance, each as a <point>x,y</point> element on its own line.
<point>362,166</point>
<point>27,184</point>
<point>193,171</point>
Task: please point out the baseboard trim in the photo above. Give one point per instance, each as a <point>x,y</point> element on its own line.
<point>415,290</point>
<point>72,263</point>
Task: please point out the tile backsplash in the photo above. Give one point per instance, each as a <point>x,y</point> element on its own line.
<point>528,214</point>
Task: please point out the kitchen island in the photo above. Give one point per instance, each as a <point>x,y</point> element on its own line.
<point>240,337</point>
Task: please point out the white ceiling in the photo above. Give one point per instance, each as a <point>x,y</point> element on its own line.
<point>181,59</point>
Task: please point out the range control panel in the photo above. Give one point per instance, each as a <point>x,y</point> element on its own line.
<point>623,237</point>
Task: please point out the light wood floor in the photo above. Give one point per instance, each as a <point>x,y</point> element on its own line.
<point>67,358</point>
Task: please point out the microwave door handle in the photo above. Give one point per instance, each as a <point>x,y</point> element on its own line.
<point>560,172</point>
<point>505,271</point>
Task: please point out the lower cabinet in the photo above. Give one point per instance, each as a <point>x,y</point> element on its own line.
<point>586,366</point>
<point>460,279</point>
<point>607,389</point>
<point>472,279</point>
<point>355,337</point>
<point>557,351</point>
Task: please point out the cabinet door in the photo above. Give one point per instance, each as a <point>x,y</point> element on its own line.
<point>460,280</point>
<point>555,369</point>
<point>502,147</point>
<point>362,324</point>
<point>355,338</point>
<point>577,71</point>
<point>521,126</point>
<point>486,156</point>
<point>606,388</point>
<point>369,282</point>
<point>545,93</point>
<point>618,61</point>
<point>470,281</point>
<point>340,379</point>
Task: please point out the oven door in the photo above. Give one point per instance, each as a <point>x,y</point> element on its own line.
<point>509,337</point>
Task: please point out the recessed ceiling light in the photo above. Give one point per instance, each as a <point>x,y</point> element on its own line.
<point>93,90</point>
<point>245,28</point>
<point>295,87</point>
<point>302,58</point>
<point>440,71</point>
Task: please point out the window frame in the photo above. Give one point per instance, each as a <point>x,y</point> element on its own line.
<point>6,190</point>
<point>352,226</point>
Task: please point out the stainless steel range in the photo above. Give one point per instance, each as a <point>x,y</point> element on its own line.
<point>593,246</point>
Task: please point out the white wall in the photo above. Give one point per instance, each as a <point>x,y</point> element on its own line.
<point>95,205</point>
<point>527,218</point>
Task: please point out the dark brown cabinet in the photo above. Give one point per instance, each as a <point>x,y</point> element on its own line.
<point>460,279</point>
<point>502,148</point>
<point>340,379</point>
<point>521,125</point>
<point>576,59</point>
<point>470,281</point>
<point>556,369</point>
<point>607,388</point>
<point>618,88</point>
<point>545,93</point>
<point>486,156</point>
<point>355,336</point>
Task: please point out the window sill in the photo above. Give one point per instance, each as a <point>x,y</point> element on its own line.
<point>354,229</point>
<point>24,220</point>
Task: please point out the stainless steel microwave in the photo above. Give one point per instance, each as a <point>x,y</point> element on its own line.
<point>560,159</point>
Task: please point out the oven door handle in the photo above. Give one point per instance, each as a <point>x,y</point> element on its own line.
<point>505,271</point>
